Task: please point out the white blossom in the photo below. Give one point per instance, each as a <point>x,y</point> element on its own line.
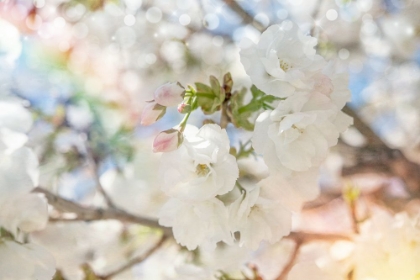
<point>197,223</point>
<point>298,133</point>
<point>25,262</point>
<point>282,60</point>
<point>292,141</point>
<point>18,173</point>
<point>310,270</point>
<point>201,167</point>
<point>258,217</point>
<point>388,248</point>
<point>27,213</point>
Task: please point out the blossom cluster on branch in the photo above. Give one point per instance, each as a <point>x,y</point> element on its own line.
<point>293,132</point>
<point>246,178</point>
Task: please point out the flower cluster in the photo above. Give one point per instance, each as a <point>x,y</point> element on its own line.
<point>194,175</point>
<point>293,137</point>
<point>167,95</point>
<point>388,248</point>
<point>20,210</point>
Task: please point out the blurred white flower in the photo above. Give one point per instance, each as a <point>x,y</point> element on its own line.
<point>258,216</point>
<point>282,60</point>
<point>28,213</point>
<point>133,193</point>
<point>14,116</point>
<point>291,140</point>
<point>25,261</point>
<point>298,133</point>
<point>201,167</point>
<point>388,248</point>
<point>197,223</point>
<point>310,270</point>
<point>18,173</point>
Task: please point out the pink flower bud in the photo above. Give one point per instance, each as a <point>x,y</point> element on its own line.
<point>167,141</point>
<point>184,108</point>
<point>169,94</point>
<point>151,113</point>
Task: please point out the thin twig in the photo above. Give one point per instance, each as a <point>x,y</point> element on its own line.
<point>96,214</point>
<point>284,273</point>
<point>224,118</point>
<point>305,237</point>
<point>135,260</point>
<point>246,17</point>
<point>95,169</point>
<point>353,214</point>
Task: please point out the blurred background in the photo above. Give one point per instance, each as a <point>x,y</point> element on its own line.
<point>86,68</point>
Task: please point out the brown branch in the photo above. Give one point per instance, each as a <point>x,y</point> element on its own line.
<point>135,260</point>
<point>224,118</point>
<point>96,214</point>
<point>378,158</point>
<point>372,138</point>
<point>353,215</point>
<point>94,169</point>
<point>306,237</point>
<point>284,273</point>
<point>246,17</point>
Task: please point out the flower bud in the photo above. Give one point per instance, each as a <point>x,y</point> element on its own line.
<point>169,94</point>
<point>167,141</point>
<point>184,108</point>
<point>151,113</point>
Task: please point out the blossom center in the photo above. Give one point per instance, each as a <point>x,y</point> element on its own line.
<point>202,170</point>
<point>298,129</point>
<point>284,65</point>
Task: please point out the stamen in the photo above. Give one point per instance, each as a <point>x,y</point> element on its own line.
<point>202,170</point>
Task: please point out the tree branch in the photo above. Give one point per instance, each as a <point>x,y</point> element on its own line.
<point>96,214</point>
<point>246,17</point>
<point>372,138</point>
<point>306,237</point>
<point>289,265</point>
<point>94,169</point>
<point>135,260</point>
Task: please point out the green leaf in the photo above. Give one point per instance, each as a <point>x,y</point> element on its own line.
<point>202,88</point>
<point>210,98</point>
<point>256,92</point>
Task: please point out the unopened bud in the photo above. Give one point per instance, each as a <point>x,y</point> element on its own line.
<point>184,108</point>
<point>167,141</point>
<point>152,112</point>
<point>169,94</point>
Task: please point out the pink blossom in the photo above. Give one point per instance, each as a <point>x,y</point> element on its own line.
<point>151,113</point>
<point>167,141</point>
<point>169,94</point>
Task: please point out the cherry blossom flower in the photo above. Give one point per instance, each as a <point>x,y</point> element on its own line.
<point>197,223</point>
<point>27,213</point>
<point>25,261</point>
<point>201,167</point>
<point>169,94</point>
<point>282,60</point>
